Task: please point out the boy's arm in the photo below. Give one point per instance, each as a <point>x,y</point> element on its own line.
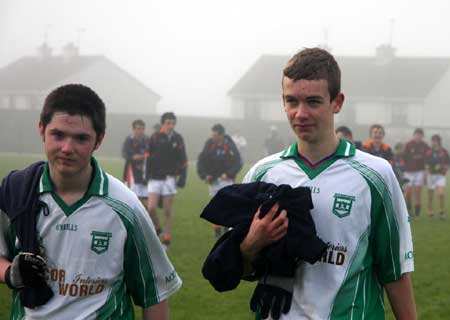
<point>401,298</point>
<point>158,311</point>
<point>4,264</point>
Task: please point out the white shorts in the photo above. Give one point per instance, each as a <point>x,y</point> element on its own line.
<point>165,187</point>
<point>436,180</point>
<point>415,179</point>
<point>217,185</point>
<point>139,189</point>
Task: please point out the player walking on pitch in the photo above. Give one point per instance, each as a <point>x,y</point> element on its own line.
<point>134,151</point>
<point>166,170</point>
<point>437,162</point>
<point>219,163</point>
<point>94,245</point>
<point>358,207</point>
<point>414,157</point>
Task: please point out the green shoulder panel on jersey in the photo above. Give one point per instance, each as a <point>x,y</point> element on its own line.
<point>385,236</point>
<point>118,305</point>
<point>360,295</point>
<point>139,272</point>
<point>262,169</point>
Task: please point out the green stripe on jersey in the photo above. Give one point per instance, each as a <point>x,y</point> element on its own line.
<point>139,274</point>
<point>385,238</point>
<point>261,170</point>
<point>360,289</point>
<point>118,304</point>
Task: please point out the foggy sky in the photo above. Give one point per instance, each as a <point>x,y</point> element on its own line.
<point>192,52</point>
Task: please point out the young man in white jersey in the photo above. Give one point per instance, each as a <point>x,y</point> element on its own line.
<point>358,207</point>
<point>98,250</point>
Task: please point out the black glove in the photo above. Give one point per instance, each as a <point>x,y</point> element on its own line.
<point>268,298</point>
<point>26,270</point>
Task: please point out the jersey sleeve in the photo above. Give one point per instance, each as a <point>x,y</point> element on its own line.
<point>390,231</point>
<point>149,275</point>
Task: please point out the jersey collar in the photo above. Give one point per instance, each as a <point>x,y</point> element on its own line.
<point>345,149</point>
<point>97,187</point>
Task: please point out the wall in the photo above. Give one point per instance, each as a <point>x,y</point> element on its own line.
<point>19,133</point>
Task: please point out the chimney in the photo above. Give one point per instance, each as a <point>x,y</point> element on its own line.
<point>384,54</point>
<point>69,52</point>
<point>44,51</point>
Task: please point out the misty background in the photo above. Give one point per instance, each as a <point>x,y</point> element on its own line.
<point>191,53</point>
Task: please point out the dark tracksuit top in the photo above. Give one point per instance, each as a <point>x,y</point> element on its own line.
<point>217,159</point>
<point>167,157</point>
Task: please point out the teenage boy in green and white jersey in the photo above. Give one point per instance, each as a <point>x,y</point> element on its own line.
<point>358,207</point>
<point>96,238</point>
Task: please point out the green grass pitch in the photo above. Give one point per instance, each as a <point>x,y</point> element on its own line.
<point>193,238</point>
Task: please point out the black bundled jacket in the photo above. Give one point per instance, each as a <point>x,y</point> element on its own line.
<point>19,199</point>
<point>234,206</point>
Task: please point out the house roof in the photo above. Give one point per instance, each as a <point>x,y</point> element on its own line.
<point>34,74</point>
<point>362,77</point>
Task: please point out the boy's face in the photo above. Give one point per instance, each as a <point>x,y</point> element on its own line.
<point>309,109</point>
<point>138,131</point>
<point>168,125</point>
<point>69,141</point>
<point>377,134</point>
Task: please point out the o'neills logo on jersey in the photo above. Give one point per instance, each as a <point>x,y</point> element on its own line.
<point>100,241</point>
<point>342,205</point>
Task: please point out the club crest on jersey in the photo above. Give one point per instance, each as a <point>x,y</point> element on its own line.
<point>342,205</point>
<point>100,241</point>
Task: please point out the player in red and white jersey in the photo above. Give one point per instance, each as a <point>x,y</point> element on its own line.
<point>437,162</point>
<point>414,156</point>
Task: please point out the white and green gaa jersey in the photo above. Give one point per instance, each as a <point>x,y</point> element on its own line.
<point>102,252</point>
<point>360,212</point>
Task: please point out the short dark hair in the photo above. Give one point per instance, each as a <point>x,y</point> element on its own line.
<point>218,128</point>
<point>168,116</point>
<point>376,126</point>
<point>419,131</point>
<point>138,123</point>
<point>345,131</point>
<point>75,99</point>
<point>437,138</point>
<point>315,64</point>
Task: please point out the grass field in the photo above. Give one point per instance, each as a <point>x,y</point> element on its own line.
<point>193,237</point>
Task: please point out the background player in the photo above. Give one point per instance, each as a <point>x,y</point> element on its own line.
<point>218,163</point>
<point>134,151</point>
<point>437,162</point>
<point>414,156</point>
<point>166,170</point>
<point>375,144</point>
<point>345,133</point>
<point>357,203</point>
<point>98,242</point>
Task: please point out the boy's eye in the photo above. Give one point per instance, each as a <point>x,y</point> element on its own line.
<point>58,134</point>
